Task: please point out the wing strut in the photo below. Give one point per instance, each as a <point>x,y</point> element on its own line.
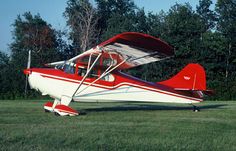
<point>90,56</point>
<point>87,73</point>
<point>106,72</point>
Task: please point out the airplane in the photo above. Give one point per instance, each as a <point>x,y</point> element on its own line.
<point>96,76</point>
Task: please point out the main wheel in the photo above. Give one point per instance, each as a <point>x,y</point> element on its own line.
<point>195,109</point>
<point>56,114</point>
<point>46,111</point>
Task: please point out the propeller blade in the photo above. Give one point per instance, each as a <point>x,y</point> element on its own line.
<point>28,66</point>
<point>29,59</point>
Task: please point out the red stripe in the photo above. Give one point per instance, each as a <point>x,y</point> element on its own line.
<point>115,87</point>
<point>66,109</point>
<point>60,110</point>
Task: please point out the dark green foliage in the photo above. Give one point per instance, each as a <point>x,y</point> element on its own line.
<point>4,75</point>
<point>183,31</point>
<point>156,24</point>
<point>115,17</point>
<point>107,9</point>
<point>30,33</point>
<point>33,33</point>
<point>66,50</point>
<point>125,24</point>
<point>226,11</point>
<point>207,16</point>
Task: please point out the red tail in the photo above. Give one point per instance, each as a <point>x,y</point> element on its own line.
<point>192,77</point>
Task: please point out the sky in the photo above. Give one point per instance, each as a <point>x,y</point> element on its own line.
<point>52,12</point>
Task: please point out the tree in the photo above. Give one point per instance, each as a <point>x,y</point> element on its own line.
<point>207,16</point>
<point>226,11</point>
<point>4,59</point>
<point>117,24</point>
<point>5,76</point>
<point>64,46</point>
<point>82,19</point>
<point>30,33</point>
<point>141,23</point>
<point>33,33</point>
<point>212,57</point>
<point>153,24</point>
<point>182,30</point>
<point>108,9</point>
<point>156,23</point>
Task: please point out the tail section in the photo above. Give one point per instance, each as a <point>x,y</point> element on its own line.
<point>192,77</point>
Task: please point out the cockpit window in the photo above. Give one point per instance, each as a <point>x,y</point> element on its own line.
<point>109,77</point>
<point>82,72</point>
<point>85,59</point>
<point>93,73</point>
<point>108,62</point>
<point>69,69</point>
<point>60,67</point>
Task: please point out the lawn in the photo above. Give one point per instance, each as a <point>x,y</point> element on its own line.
<point>118,126</point>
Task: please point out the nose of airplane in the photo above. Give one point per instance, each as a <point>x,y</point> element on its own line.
<point>30,78</point>
<point>27,71</point>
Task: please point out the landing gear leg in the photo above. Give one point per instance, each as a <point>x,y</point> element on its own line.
<point>46,111</point>
<point>56,114</point>
<point>195,109</point>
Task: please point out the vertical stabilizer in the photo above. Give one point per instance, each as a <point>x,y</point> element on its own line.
<point>191,77</point>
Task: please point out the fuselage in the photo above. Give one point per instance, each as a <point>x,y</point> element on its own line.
<point>114,87</point>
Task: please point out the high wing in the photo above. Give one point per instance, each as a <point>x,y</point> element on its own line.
<point>93,50</point>
<point>137,48</point>
<point>130,48</point>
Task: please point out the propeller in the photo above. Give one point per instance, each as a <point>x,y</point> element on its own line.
<point>29,59</point>
<point>26,76</point>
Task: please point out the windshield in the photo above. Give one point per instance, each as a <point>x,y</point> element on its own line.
<point>68,67</point>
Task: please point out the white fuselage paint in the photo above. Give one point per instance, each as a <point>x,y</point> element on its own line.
<point>52,86</point>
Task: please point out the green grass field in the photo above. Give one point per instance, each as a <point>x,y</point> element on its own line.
<point>118,126</point>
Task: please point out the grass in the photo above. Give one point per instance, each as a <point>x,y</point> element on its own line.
<point>118,126</point>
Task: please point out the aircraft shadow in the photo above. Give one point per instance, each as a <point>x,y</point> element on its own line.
<point>149,108</point>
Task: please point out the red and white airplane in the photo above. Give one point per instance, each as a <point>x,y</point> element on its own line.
<point>95,76</point>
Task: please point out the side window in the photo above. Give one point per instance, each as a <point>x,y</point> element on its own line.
<point>82,72</point>
<point>108,62</point>
<point>93,74</point>
<point>109,77</point>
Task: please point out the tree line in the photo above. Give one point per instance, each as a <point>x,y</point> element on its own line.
<point>204,34</point>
